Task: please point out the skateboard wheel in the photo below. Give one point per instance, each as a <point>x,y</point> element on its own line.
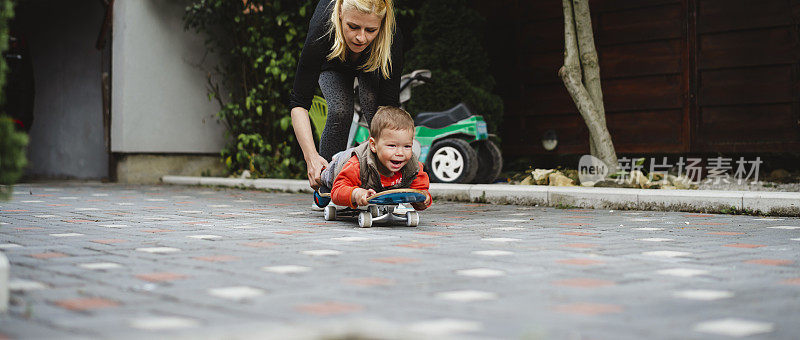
<point>330,213</point>
<point>364,219</point>
<point>374,211</point>
<point>412,219</point>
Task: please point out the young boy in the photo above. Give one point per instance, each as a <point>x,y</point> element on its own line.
<point>384,162</point>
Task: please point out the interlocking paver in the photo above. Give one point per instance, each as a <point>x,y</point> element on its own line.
<point>116,261</point>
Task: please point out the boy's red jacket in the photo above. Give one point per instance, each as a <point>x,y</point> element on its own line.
<point>348,179</point>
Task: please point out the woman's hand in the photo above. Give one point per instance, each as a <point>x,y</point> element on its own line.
<point>360,195</point>
<point>302,130</point>
<point>315,165</point>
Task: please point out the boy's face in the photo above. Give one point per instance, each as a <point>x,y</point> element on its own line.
<point>393,148</point>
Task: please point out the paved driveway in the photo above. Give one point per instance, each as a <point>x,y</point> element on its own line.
<point>114,261</point>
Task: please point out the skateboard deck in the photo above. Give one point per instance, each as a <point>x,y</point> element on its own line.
<point>396,196</point>
<point>381,209</point>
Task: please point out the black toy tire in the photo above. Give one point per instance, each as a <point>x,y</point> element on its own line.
<point>456,150</point>
<point>490,161</point>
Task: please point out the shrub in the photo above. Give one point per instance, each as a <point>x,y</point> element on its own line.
<point>448,42</point>
<point>12,142</point>
<point>259,43</point>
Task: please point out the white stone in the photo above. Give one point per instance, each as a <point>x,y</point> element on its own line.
<point>514,221</point>
<point>32,201</point>
<point>191,211</point>
<point>66,235</point>
<point>481,272</point>
<point>52,189</point>
<point>767,219</point>
<point>237,293</point>
<point>205,237</point>
<point>297,213</point>
<point>219,206</point>
<point>648,229</point>
<point>508,228</point>
<point>519,214</point>
<point>162,323</point>
<point>100,265</point>
<point>241,227</point>
<point>99,195</point>
<point>351,238</point>
<point>466,295</point>
<point>158,250</point>
<point>785,227</point>
<point>682,272</point>
<point>642,219</point>
<point>20,285</point>
<point>665,253</point>
<point>442,327</point>
<point>9,245</point>
<point>500,239</point>
<point>654,239</point>
<point>492,252</point>
<point>86,209</point>
<point>155,200</point>
<point>795,239</point>
<point>156,218</point>
<point>734,327</point>
<point>114,225</point>
<point>287,269</point>
<point>45,216</point>
<point>321,252</point>
<point>68,198</point>
<point>125,204</point>
<point>703,294</point>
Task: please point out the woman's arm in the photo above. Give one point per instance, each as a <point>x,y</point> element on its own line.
<point>302,130</point>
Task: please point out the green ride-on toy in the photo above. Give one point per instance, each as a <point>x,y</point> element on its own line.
<point>453,145</point>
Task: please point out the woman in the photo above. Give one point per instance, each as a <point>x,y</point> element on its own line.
<point>347,39</point>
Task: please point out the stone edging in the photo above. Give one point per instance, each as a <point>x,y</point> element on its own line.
<point>710,201</point>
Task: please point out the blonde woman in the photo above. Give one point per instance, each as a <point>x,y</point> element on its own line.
<point>347,39</point>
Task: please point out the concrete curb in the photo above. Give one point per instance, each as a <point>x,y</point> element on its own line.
<point>710,201</point>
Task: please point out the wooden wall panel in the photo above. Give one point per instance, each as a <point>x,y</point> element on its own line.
<point>727,15</point>
<point>648,58</point>
<point>678,76</point>
<point>641,24</point>
<point>747,56</point>
<point>775,45</point>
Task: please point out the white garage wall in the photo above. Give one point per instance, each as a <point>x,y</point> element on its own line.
<point>159,96</point>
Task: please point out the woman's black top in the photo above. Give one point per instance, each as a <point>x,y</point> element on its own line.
<point>314,60</point>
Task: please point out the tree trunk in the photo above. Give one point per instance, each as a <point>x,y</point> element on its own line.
<point>581,76</point>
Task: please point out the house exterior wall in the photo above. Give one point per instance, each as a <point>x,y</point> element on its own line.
<point>159,96</point>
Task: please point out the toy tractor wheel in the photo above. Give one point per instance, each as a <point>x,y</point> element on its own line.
<point>364,219</point>
<point>490,161</point>
<point>452,161</point>
<point>330,213</point>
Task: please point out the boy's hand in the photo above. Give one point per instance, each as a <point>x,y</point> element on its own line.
<point>422,205</point>
<point>360,195</point>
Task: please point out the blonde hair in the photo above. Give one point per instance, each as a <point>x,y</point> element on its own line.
<point>381,48</point>
<point>390,117</point>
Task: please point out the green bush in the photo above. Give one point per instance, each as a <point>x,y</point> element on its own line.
<point>259,43</point>
<point>448,42</point>
<point>12,143</point>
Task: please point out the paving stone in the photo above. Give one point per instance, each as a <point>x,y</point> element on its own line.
<point>224,258</point>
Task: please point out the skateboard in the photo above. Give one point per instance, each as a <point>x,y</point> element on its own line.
<point>380,209</point>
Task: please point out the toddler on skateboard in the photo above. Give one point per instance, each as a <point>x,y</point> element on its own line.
<point>383,162</point>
